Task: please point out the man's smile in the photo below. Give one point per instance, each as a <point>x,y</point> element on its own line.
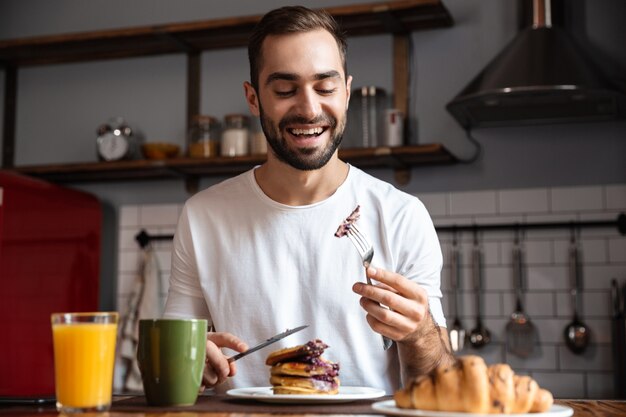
<point>307,137</point>
<point>313,138</point>
<point>312,131</point>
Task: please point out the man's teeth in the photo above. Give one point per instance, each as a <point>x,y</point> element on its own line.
<point>312,131</point>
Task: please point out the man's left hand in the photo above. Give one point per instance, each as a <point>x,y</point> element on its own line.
<point>407,301</point>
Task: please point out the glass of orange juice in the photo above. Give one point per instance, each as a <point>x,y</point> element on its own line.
<point>84,356</point>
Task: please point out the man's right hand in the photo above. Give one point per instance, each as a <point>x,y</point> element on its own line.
<point>217,368</point>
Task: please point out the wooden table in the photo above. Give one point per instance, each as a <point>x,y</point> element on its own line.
<point>220,406</point>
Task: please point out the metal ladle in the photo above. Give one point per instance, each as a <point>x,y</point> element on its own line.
<point>576,334</point>
<point>457,332</point>
<point>480,335</point>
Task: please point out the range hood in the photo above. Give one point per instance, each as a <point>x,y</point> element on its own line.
<point>540,77</point>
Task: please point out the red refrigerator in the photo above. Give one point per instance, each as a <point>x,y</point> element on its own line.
<point>49,262</point>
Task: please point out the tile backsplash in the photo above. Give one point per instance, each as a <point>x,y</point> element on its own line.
<point>547,298</point>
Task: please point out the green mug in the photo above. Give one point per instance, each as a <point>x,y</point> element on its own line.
<point>171,354</point>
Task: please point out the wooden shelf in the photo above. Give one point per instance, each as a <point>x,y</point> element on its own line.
<point>397,17</point>
<point>363,19</point>
<point>398,158</point>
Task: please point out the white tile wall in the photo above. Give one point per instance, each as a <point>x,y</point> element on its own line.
<point>616,197</point>
<point>577,199</point>
<point>155,219</point>
<point>523,201</point>
<point>475,202</point>
<point>546,299</point>
<point>437,204</point>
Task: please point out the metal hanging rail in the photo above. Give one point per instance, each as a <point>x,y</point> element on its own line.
<point>143,238</point>
<point>619,223</point>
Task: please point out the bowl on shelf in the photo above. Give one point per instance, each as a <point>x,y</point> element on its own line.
<point>160,150</point>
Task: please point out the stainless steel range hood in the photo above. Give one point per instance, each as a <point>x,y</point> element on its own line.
<point>540,77</point>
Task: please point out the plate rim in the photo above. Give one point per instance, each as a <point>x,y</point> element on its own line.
<point>255,394</point>
<point>383,406</point>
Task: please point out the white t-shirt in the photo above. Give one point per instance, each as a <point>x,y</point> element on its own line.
<point>255,267</point>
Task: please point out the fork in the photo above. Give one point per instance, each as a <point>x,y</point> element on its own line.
<point>366,251</point>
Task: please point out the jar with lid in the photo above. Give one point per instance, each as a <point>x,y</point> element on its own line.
<point>204,136</point>
<point>258,142</point>
<point>235,141</point>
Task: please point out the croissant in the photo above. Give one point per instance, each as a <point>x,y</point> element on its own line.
<point>470,386</point>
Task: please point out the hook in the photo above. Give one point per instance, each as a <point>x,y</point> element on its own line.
<point>475,235</point>
<point>142,238</point>
<point>574,231</point>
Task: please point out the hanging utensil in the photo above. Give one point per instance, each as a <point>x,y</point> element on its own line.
<point>619,341</point>
<point>521,333</point>
<point>576,334</point>
<point>457,332</point>
<point>480,335</point>
<point>622,347</point>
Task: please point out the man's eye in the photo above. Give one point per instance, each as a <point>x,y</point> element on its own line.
<point>285,93</point>
<point>326,92</point>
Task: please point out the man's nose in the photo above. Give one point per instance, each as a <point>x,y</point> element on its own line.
<point>308,105</point>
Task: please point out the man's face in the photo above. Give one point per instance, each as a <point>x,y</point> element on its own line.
<point>302,98</point>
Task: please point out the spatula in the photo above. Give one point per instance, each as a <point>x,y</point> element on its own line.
<point>520,331</point>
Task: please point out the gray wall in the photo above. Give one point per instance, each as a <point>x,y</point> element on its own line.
<point>60,106</point>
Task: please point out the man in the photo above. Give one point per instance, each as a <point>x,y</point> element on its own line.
<point>256,254</point>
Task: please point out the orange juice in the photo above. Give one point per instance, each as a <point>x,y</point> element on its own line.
<point>84,355</point>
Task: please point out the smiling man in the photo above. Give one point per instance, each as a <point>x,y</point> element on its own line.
<point>256,254</point>
<point>302,99</point>
<point>308,101</point>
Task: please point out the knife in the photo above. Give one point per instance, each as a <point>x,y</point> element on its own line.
<point>266,343</point>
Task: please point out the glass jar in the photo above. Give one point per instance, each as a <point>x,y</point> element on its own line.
<point>235,141</point>
<point>258,142</point>
<point>204,136</point>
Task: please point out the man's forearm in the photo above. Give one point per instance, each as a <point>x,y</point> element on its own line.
<point>422,353</point>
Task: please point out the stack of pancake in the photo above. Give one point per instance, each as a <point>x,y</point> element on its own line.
<point>302,370</point>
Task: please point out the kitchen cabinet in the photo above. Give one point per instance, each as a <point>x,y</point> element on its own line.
<point>398,18</point>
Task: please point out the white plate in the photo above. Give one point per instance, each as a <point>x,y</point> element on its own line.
<point>346,394</point>
<point>389,407</point>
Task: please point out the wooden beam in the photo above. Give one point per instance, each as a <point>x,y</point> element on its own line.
<point>193,90</point>
<point>401,79</point>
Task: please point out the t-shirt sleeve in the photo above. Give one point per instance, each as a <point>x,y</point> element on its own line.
<point>420,256</point>
<point>185,297</point>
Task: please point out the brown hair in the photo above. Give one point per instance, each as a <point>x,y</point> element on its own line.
<point>291,19</point>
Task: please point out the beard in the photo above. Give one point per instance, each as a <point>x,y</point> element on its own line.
<point>305,159</point>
